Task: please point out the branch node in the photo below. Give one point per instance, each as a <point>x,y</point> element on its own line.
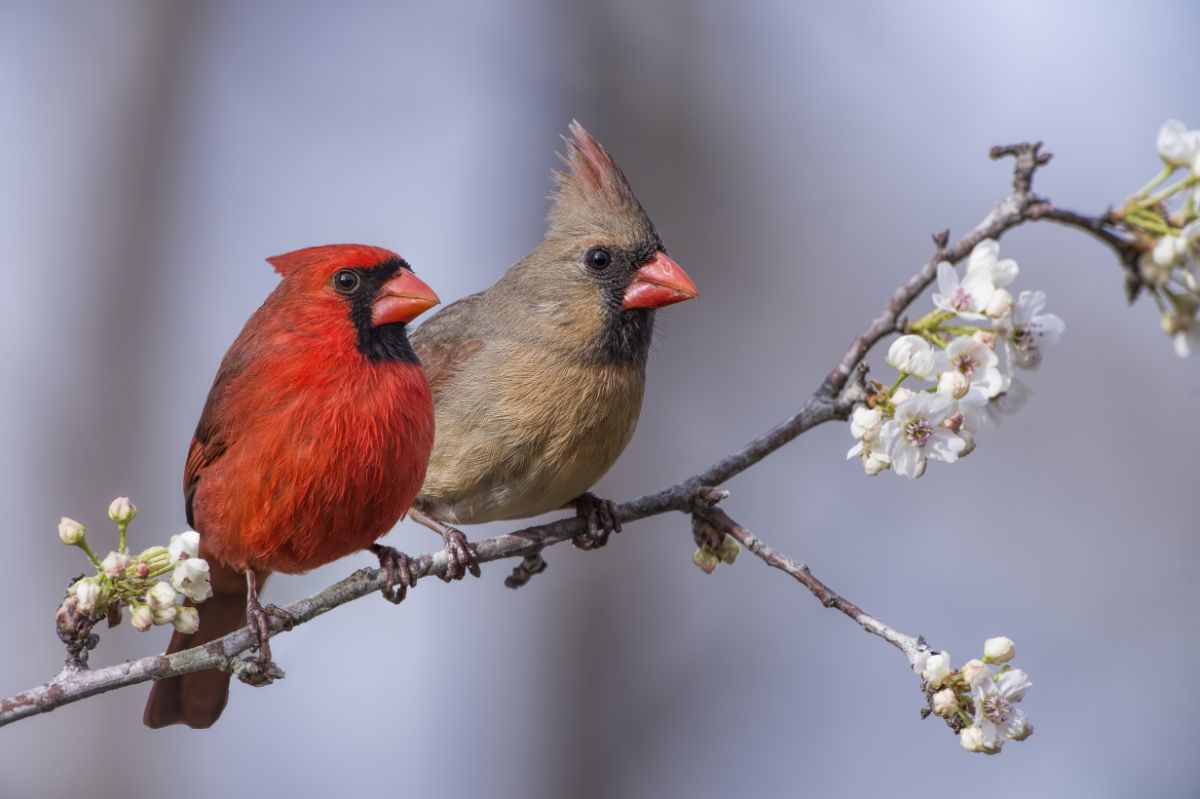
<point>941,239</point>
<point>254,672</point>
<point>524,571</point>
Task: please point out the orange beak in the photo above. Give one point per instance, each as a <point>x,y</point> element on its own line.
<point>659,282</point>
<point>402,299</point>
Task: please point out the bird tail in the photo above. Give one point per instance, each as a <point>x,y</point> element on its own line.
<point>197,699</point>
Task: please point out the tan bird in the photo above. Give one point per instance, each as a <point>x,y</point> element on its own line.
<point>538,380</point>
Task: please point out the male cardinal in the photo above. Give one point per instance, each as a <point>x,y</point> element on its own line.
<point>312,444</point>
<point>538,380</point>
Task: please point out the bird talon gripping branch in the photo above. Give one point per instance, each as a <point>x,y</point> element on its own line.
<point>401,570</point>
<point>602,519</point>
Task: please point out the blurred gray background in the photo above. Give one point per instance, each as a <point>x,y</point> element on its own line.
<point>795,161</point>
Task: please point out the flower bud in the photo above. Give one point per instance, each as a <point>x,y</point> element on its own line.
<point>187,620</point>
<point>954,383</point>
<point>142,569</point>
<point>937,669</point>
<point>142,618</point>
<point>912,355</point>
<point>1000,304</point>
<point>876,462</point>
<point>998,650</point>
<point>122,510</point>
<point>1169,250</point>
<point>954,422</point>
<point>160,595</point>
<point>729,550</point>
<point>901,395</point>
<point>88,596</point>
<point>972,671</point>
<point>1172,323</point>
<point>973,740</point>
<point>114,565</point>
<point>184,545</point>
<point>705,559</point>
<point>1173,145</point>
<point>865,423</point>
<point>70,531</point>
<point>985,337</point>
<point>1023,731</point>
<point>969,438</point>
<point>944,703</point>
<point>164,615</point>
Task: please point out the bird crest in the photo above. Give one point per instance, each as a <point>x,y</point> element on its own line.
<point>592,189</point>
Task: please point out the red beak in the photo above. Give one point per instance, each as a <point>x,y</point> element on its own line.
<point>659,282</point>
<point>402,299</point>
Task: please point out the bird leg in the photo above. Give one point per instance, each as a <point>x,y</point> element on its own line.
<point>602,520</point>
<point>258,619</point>
<point>459,557</point>
<point>402,572</point>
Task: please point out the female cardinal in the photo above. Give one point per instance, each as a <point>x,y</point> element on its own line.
<point>538,380</point>
<point>312,444</point>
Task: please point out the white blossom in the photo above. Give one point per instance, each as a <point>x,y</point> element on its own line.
<point>70,531</point>
<point>974,361</point>
<point>985,273</point>
<point>165,614</point>
<point>912,355</point>
<point>1027,330</point>
<point>184,545</point>
<point>998,650</point>
<point>934,667</point>
<point>865,423</point>
<point>1176,145</point>
<point>1009,401</point>
<point>191,579</point>
<point>874,459</point>
<point>916,434</point>
<point>995,715</point>
<point>999,305</point>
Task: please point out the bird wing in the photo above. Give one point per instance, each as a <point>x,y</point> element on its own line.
<point>212,438</point>
<point>447,341</point>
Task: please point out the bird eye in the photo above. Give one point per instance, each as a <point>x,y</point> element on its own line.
<point>346,281</point>
<point>598,258</point>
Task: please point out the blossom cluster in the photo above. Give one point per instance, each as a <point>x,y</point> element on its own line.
<point>978,699</point>
<point>126,580</point>
<point>972,349</point>
<point>1165,223</point>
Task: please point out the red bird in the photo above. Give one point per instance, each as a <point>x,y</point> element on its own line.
<point>313,444</point>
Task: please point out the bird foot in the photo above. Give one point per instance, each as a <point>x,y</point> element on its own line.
<point>602,520</point>
<point>459,557</point>
<point>402,572</point>
<point>258,621</point>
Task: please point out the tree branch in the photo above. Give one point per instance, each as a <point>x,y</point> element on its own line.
<point>833,399</point>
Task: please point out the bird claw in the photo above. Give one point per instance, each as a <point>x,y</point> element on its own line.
<point>602,520</point>
<point>459,557</point>
<point>401,570</point>
<point>258,621</point>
